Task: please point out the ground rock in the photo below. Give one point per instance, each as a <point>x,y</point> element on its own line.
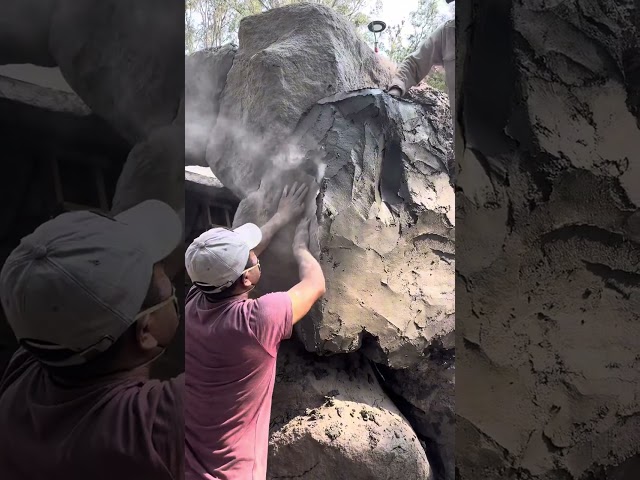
<point>425,394</point>
<point>330,419</point>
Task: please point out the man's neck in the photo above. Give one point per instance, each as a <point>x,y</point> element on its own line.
<point>222,297</point>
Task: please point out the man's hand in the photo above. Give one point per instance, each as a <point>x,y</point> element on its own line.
<point>292,202</point>
<point>395,92</point>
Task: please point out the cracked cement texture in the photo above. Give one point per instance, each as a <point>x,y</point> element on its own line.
<point>330,415</point>
<point>548,380</point>
<point>386,227</point>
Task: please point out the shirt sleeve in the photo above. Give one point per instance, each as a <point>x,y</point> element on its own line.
<point>271,320</point>
<point>418,65</point>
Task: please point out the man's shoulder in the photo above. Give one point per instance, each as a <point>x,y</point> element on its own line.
<point>274,298</point>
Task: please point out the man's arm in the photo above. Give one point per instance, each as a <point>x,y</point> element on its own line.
<point>418,65</point>
<point>312,283</point>
<point>291,205</point>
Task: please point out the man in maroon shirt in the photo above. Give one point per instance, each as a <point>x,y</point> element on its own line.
<point>232,342</point>
<point>88,299</point>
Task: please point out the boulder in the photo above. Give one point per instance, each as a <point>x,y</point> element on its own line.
<point>386,220</point>
<point>288,59</point>
<point>549,248</point>
<point>425,394</point>
<point>381,167</point>
<point>330,415</point>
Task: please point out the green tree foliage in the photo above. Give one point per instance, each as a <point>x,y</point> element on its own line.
<point>421,23</point>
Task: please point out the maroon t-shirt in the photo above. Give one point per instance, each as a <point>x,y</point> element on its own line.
<point>128,429</point>
<point>230,365</point>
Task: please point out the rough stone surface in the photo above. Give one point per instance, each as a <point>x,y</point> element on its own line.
<point>548,251</point>
<point>330,416</point>
<point>386,223</point>
<point>288,59</point>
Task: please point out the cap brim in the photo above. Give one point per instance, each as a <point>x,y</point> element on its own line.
<point>157,226</point>
<point>250,234</point>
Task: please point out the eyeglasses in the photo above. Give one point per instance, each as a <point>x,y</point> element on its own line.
<point>252,267</point>
<point>162,304</point>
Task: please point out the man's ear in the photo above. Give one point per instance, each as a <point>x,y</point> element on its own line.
<point>245,280</point>
<point>146,340</point>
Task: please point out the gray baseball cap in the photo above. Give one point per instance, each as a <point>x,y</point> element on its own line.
<point>74,286</point>
<point>218,257</point>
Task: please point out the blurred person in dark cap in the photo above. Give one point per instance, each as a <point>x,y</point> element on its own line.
<point>89,301</point>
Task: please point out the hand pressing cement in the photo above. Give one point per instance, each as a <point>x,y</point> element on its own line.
<point>290,207</point>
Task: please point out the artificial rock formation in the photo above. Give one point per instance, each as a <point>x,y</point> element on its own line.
<point>386,224</point>
<point>385,206</point>
<point>330,415</point>
<point>549,246</point>
<point>384,214</point>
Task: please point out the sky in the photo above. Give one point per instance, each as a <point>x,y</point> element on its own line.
<point>394,11</point>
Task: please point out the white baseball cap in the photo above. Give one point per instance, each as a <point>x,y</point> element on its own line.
<point>218,257</point>
<point>75,285</point>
